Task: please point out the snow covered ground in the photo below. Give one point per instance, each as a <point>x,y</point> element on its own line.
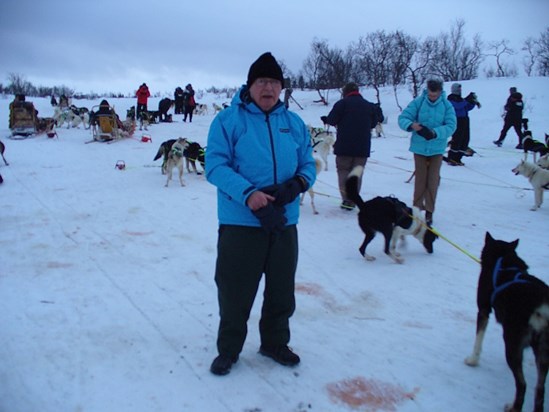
<point>108,300</point>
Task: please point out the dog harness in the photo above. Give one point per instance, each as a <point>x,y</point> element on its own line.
<point>176,151</point>
<point>497,270</point>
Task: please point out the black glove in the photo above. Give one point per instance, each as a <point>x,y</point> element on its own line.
<point>471,98</point>
<point>324,119</point>
<point>286,192</point>
<point>426,133</point>
<point>272,218</point>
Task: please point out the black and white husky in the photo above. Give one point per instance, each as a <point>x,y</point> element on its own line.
<point>389,216</point>
<point>521,304</point>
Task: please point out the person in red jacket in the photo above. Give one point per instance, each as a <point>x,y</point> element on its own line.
<point>142,95</point>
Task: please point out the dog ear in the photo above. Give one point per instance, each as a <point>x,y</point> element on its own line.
<point>488,237</point>
<point>514,244</point>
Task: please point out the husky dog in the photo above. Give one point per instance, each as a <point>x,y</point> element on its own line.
<point>319,167</point>
<point>201,109</point>
<point>164,151</point>
<point>390,217</point>
<point>529,145</point>
<point>146,118</point>
<point>130,114</point>
<point>175,159</point>
<point>193,153</point>
<point>322,142</point>
<point>2,150</point>
<point>543,161</point>
<point>216,108</point>
<point>538,178</point>
<point>521,304</point>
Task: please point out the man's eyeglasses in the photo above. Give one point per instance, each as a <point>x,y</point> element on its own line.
<point>262,81</point>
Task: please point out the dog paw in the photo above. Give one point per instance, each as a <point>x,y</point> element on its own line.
<point>471,360</point>
<point>370,258</point>
<point>534,208</point>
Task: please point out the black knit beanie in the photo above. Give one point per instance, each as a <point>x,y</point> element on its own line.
<point>265,66</point>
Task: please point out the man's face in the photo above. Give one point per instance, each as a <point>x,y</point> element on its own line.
<point>265,92</point>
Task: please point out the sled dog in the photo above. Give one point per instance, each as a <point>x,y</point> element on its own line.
<point>389,216</point>
<point>193,153</point>
<point>175,159</point>
<point>319,166</point>
<point>538,178</point>
<point>322,142</point>
<point>521,304</point>
<point>529,145</point>
<point>164,151</point>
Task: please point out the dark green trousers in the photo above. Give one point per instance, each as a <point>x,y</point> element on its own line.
<point>244,254</point>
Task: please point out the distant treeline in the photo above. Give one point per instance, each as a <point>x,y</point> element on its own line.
<point>382,59</point>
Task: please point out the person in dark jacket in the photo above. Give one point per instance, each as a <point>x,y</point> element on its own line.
<point>513,117</point>
<point>260,159</point>
<point>354,118</point>
<point>178,97</point>
<point>189,102</point>
<point>163,106</point>
<point>461,137</point>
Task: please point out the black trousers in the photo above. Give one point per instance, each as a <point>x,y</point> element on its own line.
<point>244,255</point>
<point>460,139</point>
<point>514,123</point>
<point>188,111</point>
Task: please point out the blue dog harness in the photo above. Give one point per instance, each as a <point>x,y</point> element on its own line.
<point>515,280</point>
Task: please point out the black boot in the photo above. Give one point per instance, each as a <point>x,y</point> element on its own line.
<point>281,354</point>
<point>222,364</point>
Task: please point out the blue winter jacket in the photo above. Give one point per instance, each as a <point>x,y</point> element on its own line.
<point>461,106</point>
<point>249,149</point>
<point>438,115</point>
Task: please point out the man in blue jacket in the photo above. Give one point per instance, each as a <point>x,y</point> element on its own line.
<point>432,120</point>
<point>260,159</point>
<point>355,117</point>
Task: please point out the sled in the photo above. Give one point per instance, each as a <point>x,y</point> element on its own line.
<point>105,125</point>
<point>22,120</point>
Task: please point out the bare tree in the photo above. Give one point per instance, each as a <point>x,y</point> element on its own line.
<point>327,68</point>
<point>542,52</point>
<point>498,49</point>
<point>17,84</point>
<point>529,61</point>
<point>372,54</point>
<point>418,68</point>
<point>454,58</point>
<point>403,50</point>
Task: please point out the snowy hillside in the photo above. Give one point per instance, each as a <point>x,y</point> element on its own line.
<point>109,304</point>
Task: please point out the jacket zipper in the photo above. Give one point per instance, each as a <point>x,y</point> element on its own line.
<point>267,120</point>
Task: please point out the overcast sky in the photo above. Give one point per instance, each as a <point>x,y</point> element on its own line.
<point>115,45</point>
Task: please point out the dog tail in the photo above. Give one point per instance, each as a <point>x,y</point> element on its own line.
<point>351,186</point>
<point>160,153</point>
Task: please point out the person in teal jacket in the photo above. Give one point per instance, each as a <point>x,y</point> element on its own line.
<point>432,120</point>
<point>260,159</point>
